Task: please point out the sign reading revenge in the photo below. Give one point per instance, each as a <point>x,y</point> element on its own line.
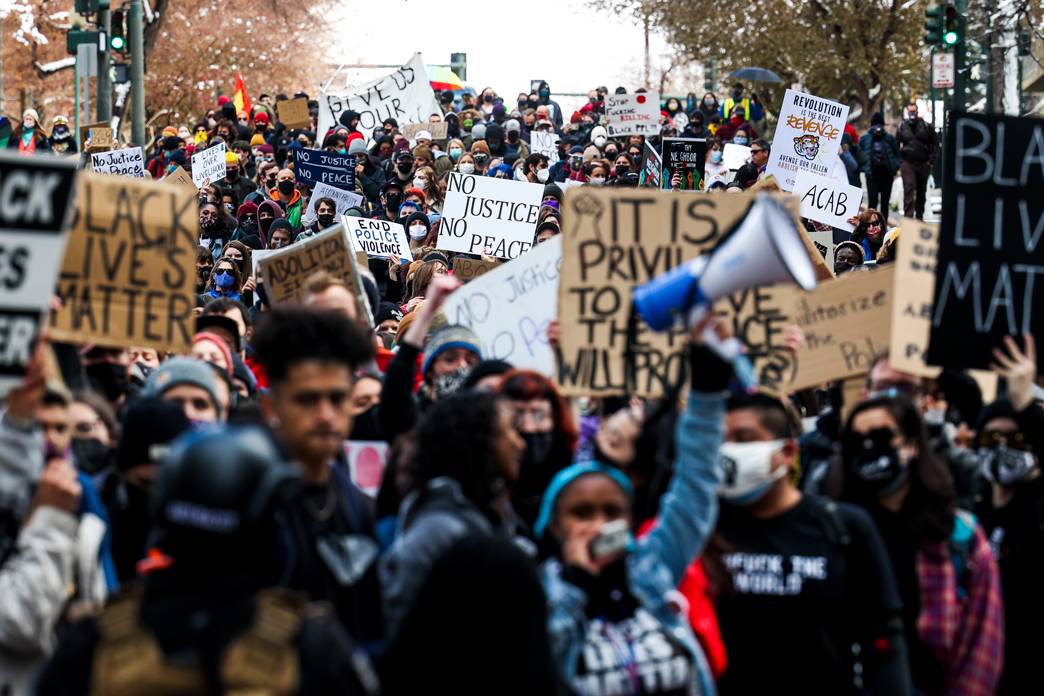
<point>35,197</point>
<point>322,167</point>
<point>126,162</point>
<point>128,277</point>
<point>988,280</point>
<point>495,217</point>
<point>378,237</point>
<point>404,95</point>
<point>632,114</point>
<point>509,308</point>
<point>807,139</point>
<point>614,240</point>
<point>209,166</point>
<point>827,201</point>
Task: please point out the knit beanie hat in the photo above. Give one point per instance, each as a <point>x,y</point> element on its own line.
<point>450,336</point>
<point>182,370</point>
<point>257,139</point>
<point>149,426</point>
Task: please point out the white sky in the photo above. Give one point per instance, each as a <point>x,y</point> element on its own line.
<point>572,46</point>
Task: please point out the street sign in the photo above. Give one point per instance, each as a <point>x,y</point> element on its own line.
<point>942,70</point>
<point>87,60</point>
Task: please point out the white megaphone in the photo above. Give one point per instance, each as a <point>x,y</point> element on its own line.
<point>765,249</point>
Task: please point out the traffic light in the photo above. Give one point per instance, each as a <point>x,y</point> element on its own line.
<point>118,31</point>
<point>953,26</point>
<point>934,20</point>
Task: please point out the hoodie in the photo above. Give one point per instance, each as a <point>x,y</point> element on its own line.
<point>293,208</point>
<point>277,212</point>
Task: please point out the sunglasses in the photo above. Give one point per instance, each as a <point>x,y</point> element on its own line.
<point>1017,441</point>
<point>754,152</point>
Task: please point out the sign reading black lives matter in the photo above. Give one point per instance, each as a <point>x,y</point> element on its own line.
<point>989,276</point>
<point>495,217</point>
<point>128,276</point>
<point>35,201</point>
<point>322,167</point>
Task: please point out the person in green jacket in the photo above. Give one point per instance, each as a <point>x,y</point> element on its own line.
<point>288,197</point>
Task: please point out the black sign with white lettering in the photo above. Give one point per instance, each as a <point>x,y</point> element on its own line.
<point>989,279</point>
<point>35,202</point>
<point>324,167</point>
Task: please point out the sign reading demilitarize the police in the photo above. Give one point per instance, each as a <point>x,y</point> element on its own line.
<point>35,203</point>
<point>323,167</point>
<point>989,275</point>
<point>495,217</point>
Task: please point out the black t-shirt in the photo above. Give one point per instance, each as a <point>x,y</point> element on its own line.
<point>807,585</point>
<point>327,516</point>
<point>1016,534</point>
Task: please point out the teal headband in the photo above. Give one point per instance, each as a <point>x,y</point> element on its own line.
<point>565,477</point>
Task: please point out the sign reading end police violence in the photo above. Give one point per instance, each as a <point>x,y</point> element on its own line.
<point>989,277</point>
<point>35,196</point>
<point>482,215</point>
<point>127,277</point>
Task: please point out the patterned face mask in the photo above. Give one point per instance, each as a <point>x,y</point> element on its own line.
<point>1006,465</point>
<point>449,383</point>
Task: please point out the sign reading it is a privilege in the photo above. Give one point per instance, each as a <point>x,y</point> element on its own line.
<point>510,308</point>
<point>495,217</point>
<point>379,238</point>
<point>323,167</point>
<point>614,240</point>
<point>126,162</point>
<point>827,201</point>
<point>988,277</point>
<point>404,95</point>
<point>209,166</point>
<point>128,276</point>
<point>808,136</point>
<point>632,114</point>
<point>36,198</point>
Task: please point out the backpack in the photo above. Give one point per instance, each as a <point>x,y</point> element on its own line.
<point>877,155</point>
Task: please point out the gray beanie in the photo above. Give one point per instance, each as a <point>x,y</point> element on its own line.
<point>181,370</point>
<point>357,147</point>
<point>478,131</point>
<point>450,336</point>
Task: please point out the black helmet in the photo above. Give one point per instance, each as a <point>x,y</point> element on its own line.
<point>215,498</point>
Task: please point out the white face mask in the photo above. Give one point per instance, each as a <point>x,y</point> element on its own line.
<point>599,141</point>
<point>418,231</point>
<point>520,174</point>
<point>419,183</point>
<point>467,168</point>
<point>542,175</point>
<point>597,181</point>
<point>748,470</point>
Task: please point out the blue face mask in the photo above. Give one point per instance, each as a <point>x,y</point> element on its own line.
<point>716,156</point>
<point>224,279</point>
<point>740,140</point>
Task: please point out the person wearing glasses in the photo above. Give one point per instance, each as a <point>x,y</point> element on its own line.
<point>759,154</point>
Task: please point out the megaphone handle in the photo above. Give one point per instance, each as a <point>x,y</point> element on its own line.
<point>731,351</point>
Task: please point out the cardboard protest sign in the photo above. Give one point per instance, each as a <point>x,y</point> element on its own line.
<point>827,201</point>
<point>652,167</point>
<point>847,322</point>
<point>438,131</point>
<point>100,137</point>
<point>323,167</point>
<point>128,277</point>
<point>379,238</point>
<point>126,162</point>
<point>685,156</point>
<point>86,128</point>
<point>914,288</point>
<point>483,215</point>
<point>734,156</point>
<point>824,243</point>
<point>179,176</point>
<point>293,113</point>
<point>808,136</point>
<point>36,198</point>
<point>209,165</point>
<point>990,239</point>
<point>286,271</point>
<point>343,200</point>
<point>468,269</point>
<point>404,95</point>
<point>632,114</point>
<point>509,308</point>
<point>614,240</point>
<point>544,143</point>
<point>759,317</point>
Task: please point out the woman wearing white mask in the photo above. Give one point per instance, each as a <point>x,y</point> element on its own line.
<point>596,173</point>
<point>466,164</point>
<point>714,168</point>
<point>427,180</point>
<point>417,227</point>
<point>810,573</point>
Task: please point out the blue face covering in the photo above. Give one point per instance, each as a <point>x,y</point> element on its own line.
<point>224,279</point>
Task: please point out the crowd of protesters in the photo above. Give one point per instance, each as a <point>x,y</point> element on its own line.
<point>195,523</point>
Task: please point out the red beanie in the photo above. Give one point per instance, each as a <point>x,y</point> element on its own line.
<point>222,100</point>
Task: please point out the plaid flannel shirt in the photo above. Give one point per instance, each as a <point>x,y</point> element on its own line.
<point>965,634</point>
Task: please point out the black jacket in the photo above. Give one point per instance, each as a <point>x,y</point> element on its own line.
<point>917,141</point>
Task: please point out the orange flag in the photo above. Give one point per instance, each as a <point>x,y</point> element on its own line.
<point>240,97</point>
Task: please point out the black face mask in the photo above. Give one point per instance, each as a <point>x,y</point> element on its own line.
<point>393,200</point>
<point>285,187</point>
<point>512,136</point>
<point>265,224</point>
<point>249,225</point>
<point>842,267</point>
<point>325,220</point>
<point>366,426</point>
<point>404,167</point>
<point>90,455</point>
<point>873,462</point>
<point>534,471</point>
<point>622,169</point>
<point>877,132</point>
<point>109,379</point>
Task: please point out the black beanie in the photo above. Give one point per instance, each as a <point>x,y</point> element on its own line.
<point>486,368</point>
<point>1001,408</point>
<point>150,425</point>
<point>877,119</point>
